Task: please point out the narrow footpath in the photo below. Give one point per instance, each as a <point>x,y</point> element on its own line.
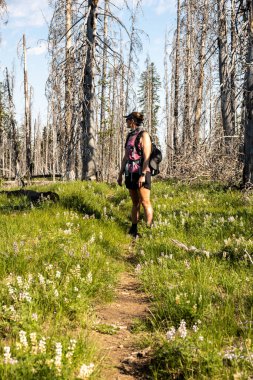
<point>122,361</point>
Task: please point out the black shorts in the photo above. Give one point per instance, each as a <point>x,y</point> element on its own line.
<point>131,181</point>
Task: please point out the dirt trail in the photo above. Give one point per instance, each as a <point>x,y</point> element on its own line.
<point>121,359</point>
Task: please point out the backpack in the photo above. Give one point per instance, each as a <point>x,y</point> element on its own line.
<point>155,157</point>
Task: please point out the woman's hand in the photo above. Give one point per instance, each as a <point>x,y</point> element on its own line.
<point>141,181</point>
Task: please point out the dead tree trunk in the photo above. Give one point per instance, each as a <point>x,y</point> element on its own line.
<point>27,115</point>
<point>89,170</point>
<point>248,138</point>
<point>223,73</point>
<point>187,70</point>
<point>70,173</point>
<point>14,137</point>
<point>233,66</point>
<point>103,88</point>
<point>169,150</point>
<point>176,80</point>
<point>200,85</point>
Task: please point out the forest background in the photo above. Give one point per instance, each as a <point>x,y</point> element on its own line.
<point>99,70</point>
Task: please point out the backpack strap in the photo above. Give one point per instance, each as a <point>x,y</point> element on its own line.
<point>137,141</point>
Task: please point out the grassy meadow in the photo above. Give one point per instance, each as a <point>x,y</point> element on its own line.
<point>59,260</point>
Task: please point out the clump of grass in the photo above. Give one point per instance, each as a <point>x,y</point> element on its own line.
<point>104,328</point>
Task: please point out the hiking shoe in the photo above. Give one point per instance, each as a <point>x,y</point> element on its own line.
<point>133,232</point>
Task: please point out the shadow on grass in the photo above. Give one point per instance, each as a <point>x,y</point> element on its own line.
<point>74,202</point>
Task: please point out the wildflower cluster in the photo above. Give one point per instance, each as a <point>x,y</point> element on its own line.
<point>85,371</point>
<point>182,331</point>
<point>52,285</point>
<point>55,356</point>
<point>238,354</point>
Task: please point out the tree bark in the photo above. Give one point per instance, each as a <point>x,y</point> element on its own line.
<point>14,137</point>
<point>69,135</point>
<point>103,88</point>
<point>89,170</point>
<point>176,84</point>
<point>233,66</point>
<point>198,109</point>
<point>223,73</point>
<point>27,116</point>
<point>187,69</point>
<point>248,138</point>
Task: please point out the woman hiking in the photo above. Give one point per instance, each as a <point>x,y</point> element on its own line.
<point>135,166</point>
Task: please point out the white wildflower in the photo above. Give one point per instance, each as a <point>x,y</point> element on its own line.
<point>56,293</point>
<point>182,329</point>
<point>41,279</point>
<point>23,339</point>
<point>138,268</point>
<point>35,316</point>
<point>207,253</point>
<point>11,290</point>
<point>25,296</point>
<point>89,278</point>
<point>195,327</point>
<point>29,281</point>
<point>201,338</point>
<point>71,349</point>
<point>19,281</point>
<point>92,239</point>
<point>85,371</point>
<point>230,355</point>
<point>58,357</point>
<point>42,345</point>
<point>170,335</point>
<point>58,274</point>
<point>7,356</point>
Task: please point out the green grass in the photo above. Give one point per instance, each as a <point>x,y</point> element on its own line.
<point>57,261</point>
<point>207,282</point>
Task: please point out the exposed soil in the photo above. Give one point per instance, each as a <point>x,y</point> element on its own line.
<point>122,361</point>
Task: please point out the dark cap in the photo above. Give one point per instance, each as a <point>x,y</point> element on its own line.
<point>137,117</point>
<point>128,117</point>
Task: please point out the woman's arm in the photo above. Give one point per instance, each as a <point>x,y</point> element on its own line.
<point>146,148</point>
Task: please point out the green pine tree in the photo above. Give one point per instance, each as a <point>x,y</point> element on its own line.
<point>148,97</point>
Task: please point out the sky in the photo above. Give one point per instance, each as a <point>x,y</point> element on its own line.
<point>32,17</point>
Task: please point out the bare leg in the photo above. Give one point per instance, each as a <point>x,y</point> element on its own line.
<point>136,205</point>
<point>145,201</point>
